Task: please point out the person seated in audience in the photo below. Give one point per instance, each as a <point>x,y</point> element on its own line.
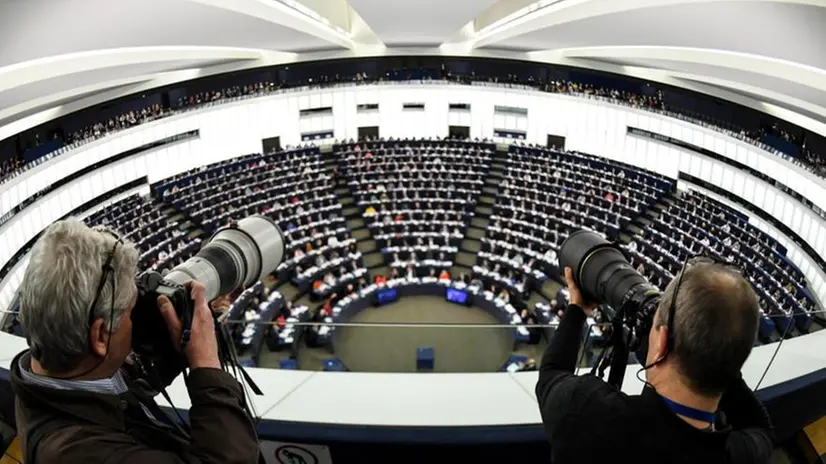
<point>641,269</point>
<point>298,253</point>
<point>381,280</point>
<point>162,256</point>
<point>410,274</point>
<point>550,255</point>
<point>394,273</point>
<point>332,241</point>
<point>444,275</point>
<point>503,296</point>
<point>281,321</point>
<point>329,279</point>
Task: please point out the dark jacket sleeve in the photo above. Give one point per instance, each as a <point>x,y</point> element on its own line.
<point>752,440</point>
<point>562,395</point>
<point>221,432</point>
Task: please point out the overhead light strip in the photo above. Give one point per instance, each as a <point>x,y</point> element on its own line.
<point>299,7</point>
<point>518,14</point>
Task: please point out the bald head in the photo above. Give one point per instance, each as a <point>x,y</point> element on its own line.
<point>715,325</point>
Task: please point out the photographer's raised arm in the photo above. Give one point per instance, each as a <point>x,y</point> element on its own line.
<point>559,390</point>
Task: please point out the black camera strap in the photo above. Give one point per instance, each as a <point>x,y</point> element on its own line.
<point>619,353</point>
<point>152,377</point>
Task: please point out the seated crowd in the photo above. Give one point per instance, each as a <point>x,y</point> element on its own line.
<point>696,224</point>
<point>293,188</point>
<point>163,243</point>
<point>544,196</point>
<point>417,197</point>
<point>505,310</point>
<point>653,101</point>
<point>250,312</point>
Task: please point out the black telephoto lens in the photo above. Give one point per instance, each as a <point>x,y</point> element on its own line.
<point>600,269</point>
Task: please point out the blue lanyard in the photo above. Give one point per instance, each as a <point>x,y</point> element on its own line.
<point>691,413</point>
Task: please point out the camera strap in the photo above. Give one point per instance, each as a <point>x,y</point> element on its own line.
<point>688,411</point>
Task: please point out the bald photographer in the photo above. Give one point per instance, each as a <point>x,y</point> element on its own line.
<point>83,395</point>
<point>695,407</point>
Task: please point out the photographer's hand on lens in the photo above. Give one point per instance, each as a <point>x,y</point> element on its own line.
<point>574,294</point>
<point>221,303</point>
<point>202,349</point>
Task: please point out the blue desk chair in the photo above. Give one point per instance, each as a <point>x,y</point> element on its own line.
<point>291,364</point>
<point>334,365</point>
<point>247,363</point>
<point>425,358</point>
<point>521,337</point>
<point>766,327</point>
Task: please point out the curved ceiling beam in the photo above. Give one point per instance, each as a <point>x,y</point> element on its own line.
<point>55,66</point>
<point>280,14</point>
<point>575,10</point>
<point>767,96</point>
<point>797,73</point>
<point>669,78</point>
<point>97,93</point>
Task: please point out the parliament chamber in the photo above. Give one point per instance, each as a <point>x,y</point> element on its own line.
<point>433,247</point>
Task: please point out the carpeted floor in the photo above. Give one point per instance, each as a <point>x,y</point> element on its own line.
<point>393,349</point>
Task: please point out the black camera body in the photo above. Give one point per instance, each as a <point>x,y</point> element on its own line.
<point>150,338</point>
<point>234,257</point>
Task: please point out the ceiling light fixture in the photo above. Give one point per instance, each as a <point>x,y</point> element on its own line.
<point>299,7</point>
<point>518,14</point>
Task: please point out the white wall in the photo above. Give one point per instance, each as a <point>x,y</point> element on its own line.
<point>590,126</point>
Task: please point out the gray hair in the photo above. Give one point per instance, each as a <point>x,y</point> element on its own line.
<point>715,325</point>
<point>61,280</point>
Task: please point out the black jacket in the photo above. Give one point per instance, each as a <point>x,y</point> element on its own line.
<point>587,420</point>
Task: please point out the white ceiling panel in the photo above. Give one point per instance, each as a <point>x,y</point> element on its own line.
<point>787,31</point>
<point>421,22</point>
<point>60,84</point>
<point>32,29</point>
<point>684,41</point>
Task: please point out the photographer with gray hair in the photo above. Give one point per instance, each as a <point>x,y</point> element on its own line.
<point>82,396</point>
